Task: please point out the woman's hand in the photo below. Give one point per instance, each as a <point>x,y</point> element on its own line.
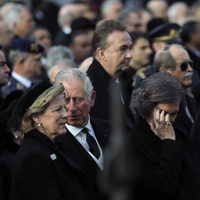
<point>161,125</point>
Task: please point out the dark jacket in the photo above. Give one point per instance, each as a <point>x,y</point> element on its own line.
<point>75,152</point>
<point>41,172</point>
<point>165,168</point>
<point>101,81</point>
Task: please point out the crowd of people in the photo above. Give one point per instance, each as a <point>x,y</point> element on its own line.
<point>99,100</point>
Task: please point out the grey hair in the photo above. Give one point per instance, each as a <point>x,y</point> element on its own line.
<point>73,73</point>
<point>57,53</point>
<point>160,87</point>
<point>14,55</point>
<point>124,14</point>
<point>164,58</point>
<point>106,5</point>
<point>66,15</point>
<point>13,16</point>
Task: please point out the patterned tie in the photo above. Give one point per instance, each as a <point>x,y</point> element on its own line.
<point>93,147</point>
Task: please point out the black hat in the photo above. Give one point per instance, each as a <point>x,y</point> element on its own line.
<point>26,45</point>
<point>25,101</point>
<point>167,33</point>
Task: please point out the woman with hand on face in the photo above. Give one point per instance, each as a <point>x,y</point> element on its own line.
<point>40,171</point>
<point>162,164</point>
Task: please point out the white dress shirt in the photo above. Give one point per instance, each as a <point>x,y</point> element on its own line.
<point>24,81</point>
<point>81,137</point>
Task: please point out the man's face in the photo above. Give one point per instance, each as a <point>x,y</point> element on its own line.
<point>82,46</point>
<point>32,65</point>
<point>181,57</point>
<point>141,52</point>
<point>25,25</point>
<point>43,37</point>
<point>4,70</point>
<point>77,103</point>
<point>134,23</point>
<point>117,54</point>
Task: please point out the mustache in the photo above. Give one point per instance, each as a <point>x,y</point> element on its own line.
<point>188,74</point>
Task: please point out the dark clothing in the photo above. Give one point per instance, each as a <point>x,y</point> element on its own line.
<point>196,65</point>
<point>12,86</point>
<point>101,81</point>
<point>142,74</point>
<point>41,172</point>
<point>165,168</point>
<point>71,148</point>
<point>183,122</point>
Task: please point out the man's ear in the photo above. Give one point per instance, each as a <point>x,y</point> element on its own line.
<point>100,52</point>
<point>93,98</point>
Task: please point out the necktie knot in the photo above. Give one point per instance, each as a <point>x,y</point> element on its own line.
<point>93,147</point>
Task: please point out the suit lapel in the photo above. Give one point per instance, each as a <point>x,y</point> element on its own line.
<point>76,152</point>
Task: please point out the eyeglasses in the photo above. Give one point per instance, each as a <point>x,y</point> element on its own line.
<point>184,65</point>
<point>3,63</point>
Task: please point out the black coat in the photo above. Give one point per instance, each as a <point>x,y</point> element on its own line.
<point>72,149</point>
<point>165,168</point>
<point>42,172</point>
<point>101,81</point>
<point>183,122</point>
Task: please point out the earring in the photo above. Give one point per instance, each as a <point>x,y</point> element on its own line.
<point>38,123</point>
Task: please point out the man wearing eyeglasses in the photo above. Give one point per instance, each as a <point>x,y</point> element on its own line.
<point>175,60</point>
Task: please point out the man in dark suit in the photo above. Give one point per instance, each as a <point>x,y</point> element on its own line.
<point>111,48</point>
<point>25,57</point>
<point>85,136</point>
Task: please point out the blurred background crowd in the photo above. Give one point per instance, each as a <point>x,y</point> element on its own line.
<point>40,38</point>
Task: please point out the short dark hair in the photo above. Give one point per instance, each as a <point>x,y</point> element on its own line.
<point>137,35</point>
<point>188,29</point>
<point>103,29</point>
<point>160,87</point>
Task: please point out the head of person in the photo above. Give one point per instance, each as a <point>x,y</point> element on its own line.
<point>178,12</point>
<point>81,38</point>
<point>111,45</point>
<point>42,36</point>
<point>79,95</point>
<point>6,34</point>
<point>163,34</point>
<point>131,19</point>
<point>59,66</point>
<point>47,112</point>
<point>158,8</point>
<point>25,57</point>
<point>4,69</point>
<point>162,91</point>
<point>141,50</point>
<point>190,34</point>
<point>175,60</point>
<point>57,53</point>
<point>110,9</point>
<point>20,20</point>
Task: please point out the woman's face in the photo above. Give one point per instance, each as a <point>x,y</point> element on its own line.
<point>169,108</point>
<point>54,118</point>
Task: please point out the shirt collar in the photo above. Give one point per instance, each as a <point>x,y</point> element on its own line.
<point>76,130</point>
<point>24,81</point>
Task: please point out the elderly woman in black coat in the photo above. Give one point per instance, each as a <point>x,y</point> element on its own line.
<point>162,155</point>
<point>40,170</point>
